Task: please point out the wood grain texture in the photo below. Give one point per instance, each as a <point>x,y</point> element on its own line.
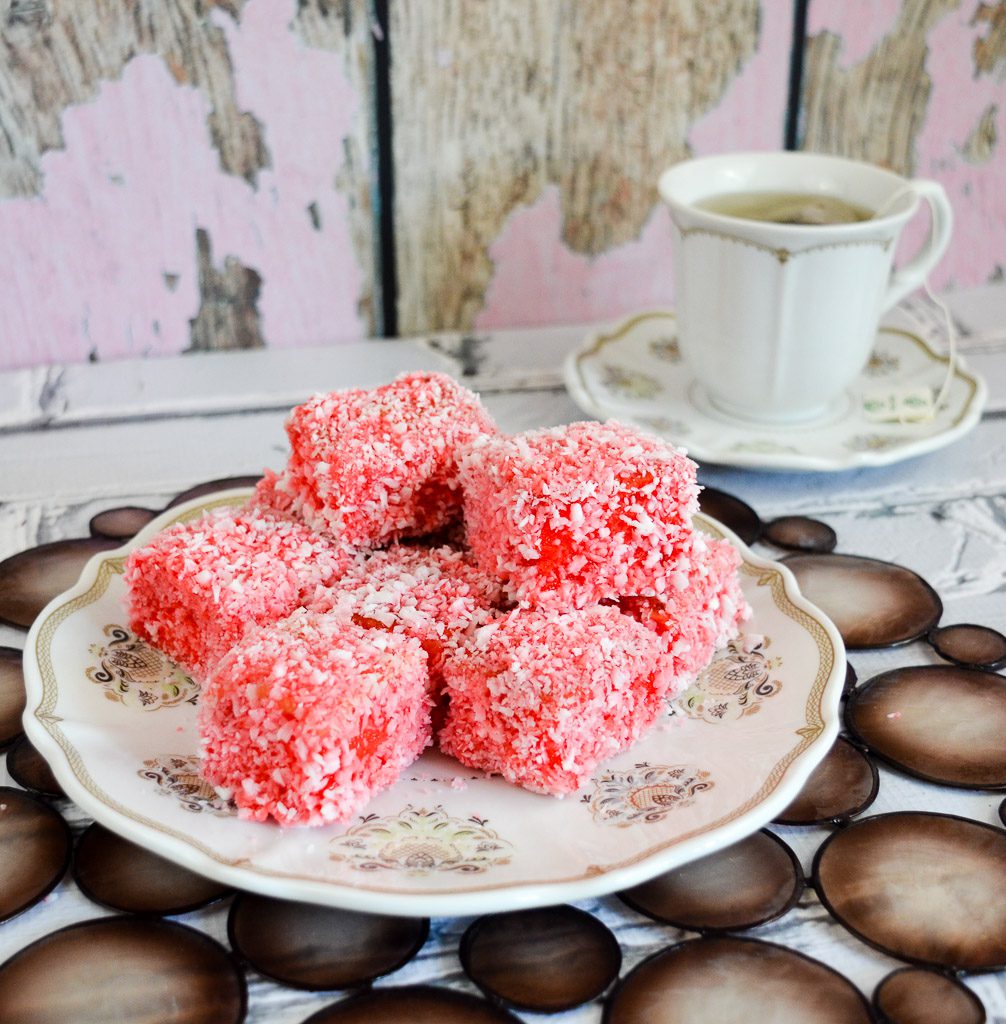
<point>151,151</point>
<point>57,52</point>
<point>495,102</point>
<point>917,86</point>
<point>874,109</point>
<point>344,28</point>
<point>990,49</point>
<point>228,314</point>
<point>138,136</point>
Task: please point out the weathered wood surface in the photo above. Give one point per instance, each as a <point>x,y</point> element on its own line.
<point>917,86</point>
<point>198,174</point>
<point>183,175</point>
<point>526,160</point>
<point>528,138</point>
<point>69,448</point>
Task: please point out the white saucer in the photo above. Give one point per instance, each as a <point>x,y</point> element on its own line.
<point>633,372</point>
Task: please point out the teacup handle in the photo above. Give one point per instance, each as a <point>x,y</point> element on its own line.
<point>914,273</point>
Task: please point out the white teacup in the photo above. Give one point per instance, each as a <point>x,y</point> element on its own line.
<point>776,320</point>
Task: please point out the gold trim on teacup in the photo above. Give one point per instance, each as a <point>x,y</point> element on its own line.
<point>781,254</point>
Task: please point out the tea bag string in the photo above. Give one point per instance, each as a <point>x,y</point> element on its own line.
<point>948,323</point>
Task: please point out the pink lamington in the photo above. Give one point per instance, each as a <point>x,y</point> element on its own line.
<point>305,720</point>
<point>700,618</point>
<point>193,590</point>
<point>370,466</point>
<point>437,595</point>
<point>575,515</point>
<point>542,696</point>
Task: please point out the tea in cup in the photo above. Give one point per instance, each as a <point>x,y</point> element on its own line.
<point>783,265</point>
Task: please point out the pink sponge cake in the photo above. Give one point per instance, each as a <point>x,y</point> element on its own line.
<point>196,586</point>
<point>575,515</point>
<point>542,696</point>
<point>698,619</point>
<point>372,466</point>
<point>305,720</point>
<point>437,595</point>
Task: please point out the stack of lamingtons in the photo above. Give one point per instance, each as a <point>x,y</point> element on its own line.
<point>528,603</point>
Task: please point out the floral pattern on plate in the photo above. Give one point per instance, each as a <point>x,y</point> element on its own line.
<point>739,678</point>
<point>418,841</point>
<point>178,776</point>
<point>134,674</point>
<point>647,793</point>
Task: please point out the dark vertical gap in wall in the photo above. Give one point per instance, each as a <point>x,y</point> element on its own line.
<point>385,170</point>
<point>796,58</point>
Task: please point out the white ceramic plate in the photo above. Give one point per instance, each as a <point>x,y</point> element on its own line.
<point>633,372</point>
<point>117,723</point>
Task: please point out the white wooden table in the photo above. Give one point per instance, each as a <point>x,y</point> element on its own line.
<point>78,439</point>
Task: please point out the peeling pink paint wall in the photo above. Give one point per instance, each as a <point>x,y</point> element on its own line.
<point>975,189</point>
<point>861,24</point>
<point>959,97</point>
<point>103,261</point>
<point>538,280</point>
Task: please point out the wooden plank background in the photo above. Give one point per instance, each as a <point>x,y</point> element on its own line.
<point>529,135</point>
<point>918,86</point>
<point>202,174</point>
<point>183,175</point>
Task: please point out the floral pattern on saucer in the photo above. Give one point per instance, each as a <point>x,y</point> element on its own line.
<point>666,348</point>
<point>633,372</point>
<point>631,385</point>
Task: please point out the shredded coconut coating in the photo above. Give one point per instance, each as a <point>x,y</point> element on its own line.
<point>697,620</point>
<point>370,466</point>
<point>542,697</point>
<point>329,666</point>
<point>193,590</point>
<point>437,595</point>
<point>271,495</point>
<point>305,720</point>
<point>575,515</point>
<point>452,536</point>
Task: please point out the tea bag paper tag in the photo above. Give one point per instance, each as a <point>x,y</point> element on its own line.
<point>899,404</point>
